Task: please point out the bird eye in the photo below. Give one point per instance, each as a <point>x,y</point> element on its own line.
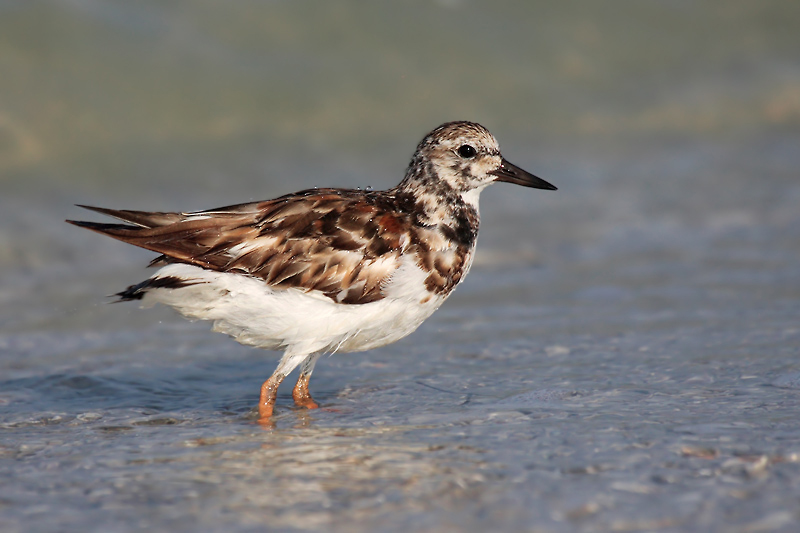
<point>466,151</point>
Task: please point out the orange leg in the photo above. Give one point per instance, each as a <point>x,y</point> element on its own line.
<point>269,391</point>
<point>302,398</point>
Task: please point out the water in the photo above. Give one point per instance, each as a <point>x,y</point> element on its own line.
<point>623,357</point>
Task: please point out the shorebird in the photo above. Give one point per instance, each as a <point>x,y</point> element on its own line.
<point>324,270</point>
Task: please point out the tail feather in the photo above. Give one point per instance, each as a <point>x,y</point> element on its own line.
<point>195,238</point>
<point>113,230</point>
<point>172,240</point>
<point>144,219</point>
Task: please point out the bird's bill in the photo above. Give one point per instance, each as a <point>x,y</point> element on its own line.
<point>513,174</point>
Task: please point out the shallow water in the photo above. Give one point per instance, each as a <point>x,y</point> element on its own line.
<point>623,356</point>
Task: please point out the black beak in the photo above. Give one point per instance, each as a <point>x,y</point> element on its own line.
<point>514,174</point>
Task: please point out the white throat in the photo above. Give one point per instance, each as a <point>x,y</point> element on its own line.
<point>472,196</point>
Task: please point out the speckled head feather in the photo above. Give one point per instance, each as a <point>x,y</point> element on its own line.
<point>457,156</point>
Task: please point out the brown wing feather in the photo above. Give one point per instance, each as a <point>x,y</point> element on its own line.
<point>343,243</point>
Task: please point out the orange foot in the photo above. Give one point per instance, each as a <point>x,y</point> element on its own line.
<point>302,398</point>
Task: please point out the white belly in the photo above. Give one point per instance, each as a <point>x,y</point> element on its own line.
<point>296,321</point>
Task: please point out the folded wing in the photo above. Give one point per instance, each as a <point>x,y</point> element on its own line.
<point>345,244</point>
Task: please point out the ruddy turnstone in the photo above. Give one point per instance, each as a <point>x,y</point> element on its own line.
<point>325,270</point>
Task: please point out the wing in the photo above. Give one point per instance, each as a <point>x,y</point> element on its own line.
<point>345,244</point>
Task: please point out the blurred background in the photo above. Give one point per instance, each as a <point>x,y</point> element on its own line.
<point>671,128</point>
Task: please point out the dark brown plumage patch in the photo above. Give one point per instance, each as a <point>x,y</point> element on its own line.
<point>447,270</point>
<point>137,292</point>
